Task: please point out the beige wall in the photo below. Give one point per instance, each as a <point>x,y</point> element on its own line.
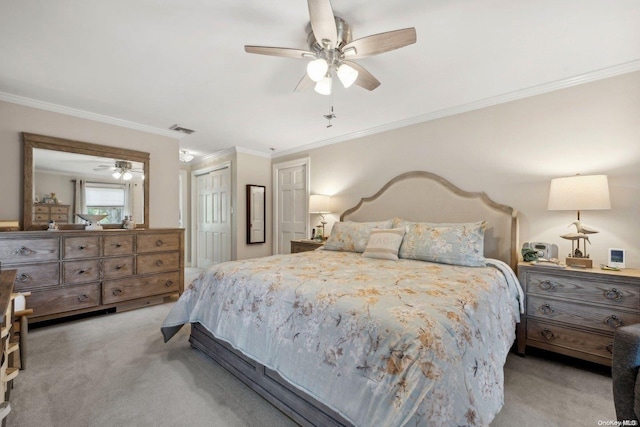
<point>511,151</point>
<point>14,119</point>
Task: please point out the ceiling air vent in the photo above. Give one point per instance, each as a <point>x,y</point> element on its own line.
<point>179,128</point>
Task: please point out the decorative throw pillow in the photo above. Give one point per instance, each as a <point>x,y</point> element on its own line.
<point>447,243</point>
<point>384,244</point>
<point>352,236</point>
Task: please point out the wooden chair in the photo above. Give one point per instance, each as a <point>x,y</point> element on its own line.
<point>21,329</point>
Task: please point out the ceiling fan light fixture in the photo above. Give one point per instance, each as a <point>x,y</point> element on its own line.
<point>127,176</point>
<point>116,175</point>
<point>185,156</point>
<point>347,75</point>
<point>317,69</point>
<point>323,87</point>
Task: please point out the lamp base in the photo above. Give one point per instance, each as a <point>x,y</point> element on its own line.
<point>579,262</point>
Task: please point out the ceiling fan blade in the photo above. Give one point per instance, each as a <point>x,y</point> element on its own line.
<point>280,51</point>
<point>365,79</point>
<point>323,23</point>
<point>380,43</point>
<point>304,84</point>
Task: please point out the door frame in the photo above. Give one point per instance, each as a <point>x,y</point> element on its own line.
<point>306,162</point>
<point>194,208</point>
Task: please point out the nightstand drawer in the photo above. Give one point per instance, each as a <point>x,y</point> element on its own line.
<point>602,318</point>
<point>584,289</point>
<point>549,336</point>
<point>304,245</point>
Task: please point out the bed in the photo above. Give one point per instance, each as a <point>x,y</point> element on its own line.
<point>349,337</point>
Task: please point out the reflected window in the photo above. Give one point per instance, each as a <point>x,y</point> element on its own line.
<point>106,199</point>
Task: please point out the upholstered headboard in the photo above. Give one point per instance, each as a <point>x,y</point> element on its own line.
<point>427,197</point>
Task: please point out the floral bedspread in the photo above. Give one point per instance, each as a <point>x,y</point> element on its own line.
<point>384,343</point>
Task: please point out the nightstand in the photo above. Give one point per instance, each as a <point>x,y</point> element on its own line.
<point>575,311</point>
<point>304,245</point>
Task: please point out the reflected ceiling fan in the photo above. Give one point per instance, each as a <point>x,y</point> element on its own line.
<point>122,169</point>
<point>331,49</point>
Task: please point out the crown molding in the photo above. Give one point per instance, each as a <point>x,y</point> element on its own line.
<point>253,152</point>
<point>603,73</point>
<point>48,106</point>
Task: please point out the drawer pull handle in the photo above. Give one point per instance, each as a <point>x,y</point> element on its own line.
<point>81,271</point>
<point>546,309</point>
<point>168,283</point>
<point>23,278</point>
<point>613,294</point>
<point>547,285</point>
<point>159,263</point>
<point>609,347</point>
<point>546,332</point>
<point>81,247</point>
<point>118,267</point>
<point>118,245</point>
<point>613,321</point>
<point>83,298</point>
<point>24,251</point>
<point>159,242</point>
<point>117,292</point>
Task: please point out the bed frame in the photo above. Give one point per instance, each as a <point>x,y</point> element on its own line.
<point>414,196</point>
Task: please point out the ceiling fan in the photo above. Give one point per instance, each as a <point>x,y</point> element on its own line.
<point>121,169</point>
<point>331,49</point>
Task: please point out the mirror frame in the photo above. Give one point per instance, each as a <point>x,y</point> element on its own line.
<point>250,189</point>
<point>32,141</point>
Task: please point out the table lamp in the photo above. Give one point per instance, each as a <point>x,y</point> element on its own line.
<point>579,193</point>
<point>320,204</point>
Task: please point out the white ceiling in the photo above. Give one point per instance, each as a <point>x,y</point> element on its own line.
<point>158,63</point>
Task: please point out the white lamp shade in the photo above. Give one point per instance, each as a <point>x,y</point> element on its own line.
<point>347,75</point>
<point>127,176</point>
<point>319,204</point>
<point>116,175</point>
<point>185,156</point>
<point>579,193</point>
<point>323,87</point>
<point>317,69</point>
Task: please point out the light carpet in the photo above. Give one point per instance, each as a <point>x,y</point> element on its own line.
<point>115,370</point>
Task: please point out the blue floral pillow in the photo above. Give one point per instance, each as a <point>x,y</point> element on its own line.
<point>447,243</point>
<point>352,236</point>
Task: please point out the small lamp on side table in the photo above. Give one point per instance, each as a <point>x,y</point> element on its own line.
<point>579,193</point>
<point>320,204</point>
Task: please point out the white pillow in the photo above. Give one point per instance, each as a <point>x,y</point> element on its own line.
<point>384,244</point>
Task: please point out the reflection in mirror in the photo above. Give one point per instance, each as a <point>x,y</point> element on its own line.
<point>64,178</point>
<point>256,214</point>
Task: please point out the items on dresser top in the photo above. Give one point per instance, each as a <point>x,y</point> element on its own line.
<point>575,312</point>
<point>73,272</point>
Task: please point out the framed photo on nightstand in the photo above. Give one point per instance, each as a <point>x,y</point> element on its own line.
<point>616,258</point>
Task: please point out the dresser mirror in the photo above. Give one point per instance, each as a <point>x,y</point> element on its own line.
<point>64,177</point>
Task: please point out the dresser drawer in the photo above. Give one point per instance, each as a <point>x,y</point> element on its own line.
<point>117,267</point>
<point>64,299</point>
<point>37,276</point>
<point>156,263</point>
<point>41,210</point>
<point>28,250</point>
<point>41,218</point>
<point>140,287</point>
<point>62,218</point>
<point>551,335</point>
<point>118,244</point>
<point>584,289</point>
<point>60,210</point>
<point>158,242</point>
<point>80,271</point>
<point>603,318</point>
<point>81,247</point>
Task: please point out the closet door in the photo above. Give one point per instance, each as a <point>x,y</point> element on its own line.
<point>292,202</point>
<point>213,217</point>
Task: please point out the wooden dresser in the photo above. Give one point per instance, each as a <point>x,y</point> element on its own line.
<point>44,212</point>
<point>304,245</point>
<point>73,272</point>
<point>576,311</point>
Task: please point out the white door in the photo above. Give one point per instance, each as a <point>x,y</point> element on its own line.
<point>292,204</point>
<point>213,217</point>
